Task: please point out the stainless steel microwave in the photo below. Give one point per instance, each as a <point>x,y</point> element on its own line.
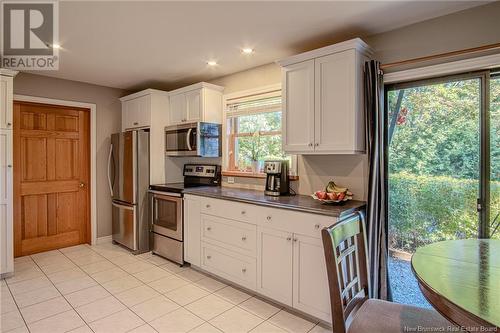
<point>194,139</point>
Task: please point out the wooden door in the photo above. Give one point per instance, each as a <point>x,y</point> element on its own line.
<point>274,264</point>
<point>298,106</point>
<point>51,177</point>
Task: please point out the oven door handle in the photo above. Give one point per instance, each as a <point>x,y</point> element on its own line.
<point>170,194</point>
<point>188,139</point>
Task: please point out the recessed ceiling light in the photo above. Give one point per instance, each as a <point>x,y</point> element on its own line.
<point>247,50</point>
<point>212,63</point>
<point>56,46</point>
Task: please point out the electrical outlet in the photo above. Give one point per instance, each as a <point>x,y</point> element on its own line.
<point>230,180</point>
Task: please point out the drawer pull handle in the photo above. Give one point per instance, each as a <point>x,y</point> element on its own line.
<point>209,228</point>
<point>244,238</point>
<point>289,238</point>
<point>209,257</point>
<point>244,270</point>
<point>269,218</point>
<point>317,226</point>
<point>207,205</point>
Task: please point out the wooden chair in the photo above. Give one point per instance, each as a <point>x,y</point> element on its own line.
<point>352,310</point>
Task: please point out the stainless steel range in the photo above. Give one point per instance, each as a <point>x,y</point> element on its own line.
<point>166,209</point>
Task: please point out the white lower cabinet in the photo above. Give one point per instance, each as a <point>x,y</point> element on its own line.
<point>310,280</point>
<point>275,252</point>
<point>274,264</point>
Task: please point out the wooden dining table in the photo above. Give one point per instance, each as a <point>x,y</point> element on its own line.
<point>461,279</point>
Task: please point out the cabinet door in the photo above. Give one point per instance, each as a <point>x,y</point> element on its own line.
<point>298,107</point>
<point>192,231</point>
<point>143,113</point>
<point>310,281</point>
<point>6,227</point>
<point>178,110</point>
<point>193,105</point>
<point>5,102</point>
<point>335,102</point>
<point>274,264</point>
<point>129,113</point>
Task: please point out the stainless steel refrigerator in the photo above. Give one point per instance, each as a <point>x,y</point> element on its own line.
<point>128,179</point>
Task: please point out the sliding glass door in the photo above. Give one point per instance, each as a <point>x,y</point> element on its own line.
<point>442,161</point>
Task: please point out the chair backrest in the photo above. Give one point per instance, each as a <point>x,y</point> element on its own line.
<point>347,267</point>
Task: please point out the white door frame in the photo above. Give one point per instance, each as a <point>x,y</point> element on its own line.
<point>93,150</point>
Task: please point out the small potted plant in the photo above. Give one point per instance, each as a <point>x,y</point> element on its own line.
<point>255,152</point>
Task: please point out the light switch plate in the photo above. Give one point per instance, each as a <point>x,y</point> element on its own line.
<point>230,180</point>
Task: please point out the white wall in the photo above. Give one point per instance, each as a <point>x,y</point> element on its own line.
<point>470,28</point>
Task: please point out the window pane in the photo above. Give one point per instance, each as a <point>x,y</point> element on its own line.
<point>259,122</point>
<point>257,148</point>
<point>495,158</point>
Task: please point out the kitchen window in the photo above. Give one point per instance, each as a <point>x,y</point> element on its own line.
<point>253,131</point>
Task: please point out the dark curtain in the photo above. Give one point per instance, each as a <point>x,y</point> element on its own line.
<point>376,214</point>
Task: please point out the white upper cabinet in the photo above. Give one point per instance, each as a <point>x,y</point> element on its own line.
<point>198,102</point>
<point>324,100</point>
<point>149,109</point>
<point>298,101</point>
<point>5,102</point>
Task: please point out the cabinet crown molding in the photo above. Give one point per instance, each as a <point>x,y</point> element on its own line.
<point>356,43</point>
<point>195,86</point>
<point>8,72</point>
<point>143,93</point>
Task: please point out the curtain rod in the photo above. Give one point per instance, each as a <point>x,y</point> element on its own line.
<point>441,55</point>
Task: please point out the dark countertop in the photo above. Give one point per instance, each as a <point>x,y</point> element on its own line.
<point>303,203</point>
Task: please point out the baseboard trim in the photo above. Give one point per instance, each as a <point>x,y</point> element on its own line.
<point>105,239</point>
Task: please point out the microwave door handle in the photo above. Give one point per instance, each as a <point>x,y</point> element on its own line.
<point>188,139</point>
<point>110,155</point>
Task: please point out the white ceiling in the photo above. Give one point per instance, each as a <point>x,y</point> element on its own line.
<point>133,45</point>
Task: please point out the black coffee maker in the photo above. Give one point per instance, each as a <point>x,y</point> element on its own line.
<point>277,179</point>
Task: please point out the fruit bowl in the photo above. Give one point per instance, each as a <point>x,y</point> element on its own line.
<point>347,197</point>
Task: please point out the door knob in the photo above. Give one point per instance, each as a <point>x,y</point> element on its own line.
<point>81,185</point>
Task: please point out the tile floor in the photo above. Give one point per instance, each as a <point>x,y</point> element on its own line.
<point>105,289</point>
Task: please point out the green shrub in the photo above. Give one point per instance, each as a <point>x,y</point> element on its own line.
<point>427,209</point>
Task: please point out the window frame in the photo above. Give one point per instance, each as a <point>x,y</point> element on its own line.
<point>260,92</point>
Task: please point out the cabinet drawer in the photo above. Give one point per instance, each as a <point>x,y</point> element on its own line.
<point>229,265</point>
<point>303,223</point>
<point>237,235</point>
<point>229,209</point>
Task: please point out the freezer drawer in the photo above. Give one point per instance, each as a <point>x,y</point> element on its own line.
<point>124,225</point>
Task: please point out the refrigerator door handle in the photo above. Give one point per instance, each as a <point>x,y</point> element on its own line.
<point>109,170</point>
<point>188,139</point>
<point>122,206</point>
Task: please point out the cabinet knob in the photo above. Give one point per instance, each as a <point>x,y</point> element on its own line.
<point>207,205</point>
<point>289,238</point>
<point>310,145</point>
<point>244,238</point>
<point>316,144</point>
<point>9,124</point>
<point>136,123</point>
<point>243,212</point>
<point>295,239</point>
<point>269,218</point>
<point>9,165</point>
<point>317,226</point>
<point>208,257</point>
<point>209,228</point>
<point>243,270</point>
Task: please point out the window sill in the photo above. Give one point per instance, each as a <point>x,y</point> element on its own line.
<point>250,175</point>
